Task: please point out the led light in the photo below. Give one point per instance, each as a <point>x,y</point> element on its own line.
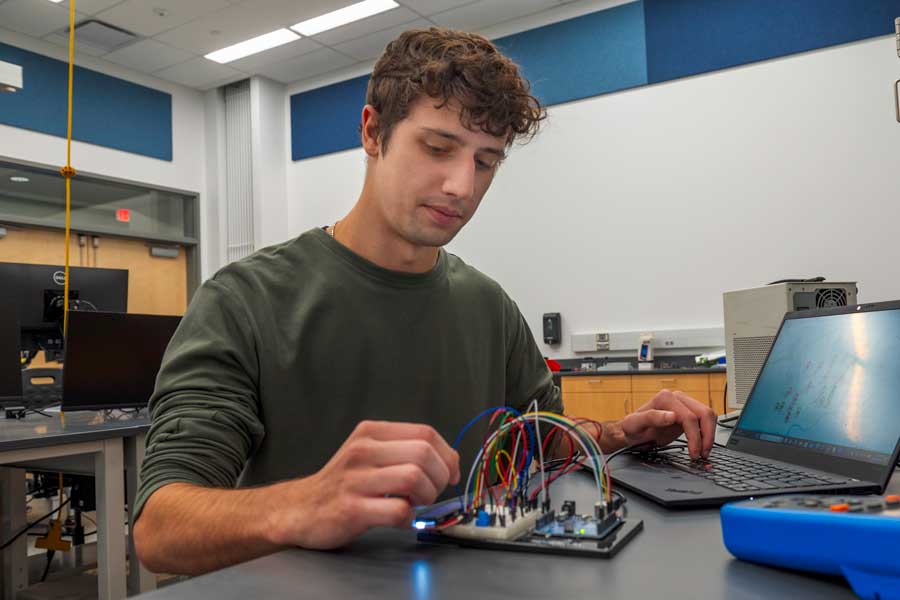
<point>336,18</point>
<point>423,524</point>
<point>260,43</point>
<point>19,179</point>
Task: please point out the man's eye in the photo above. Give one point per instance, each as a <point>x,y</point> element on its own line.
<point>436,149</point>
<point>485,164</point>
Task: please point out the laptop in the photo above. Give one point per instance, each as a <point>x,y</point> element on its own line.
<point>823,416</point>
<point>112,359</point>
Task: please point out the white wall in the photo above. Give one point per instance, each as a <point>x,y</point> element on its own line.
<point>186,172</point>
<point>636,210</point>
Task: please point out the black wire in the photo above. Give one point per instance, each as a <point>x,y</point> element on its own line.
<point>50,554</point>
<point>25,529</point>
<point>37,411</point>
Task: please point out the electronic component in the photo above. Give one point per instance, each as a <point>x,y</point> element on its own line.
<point>506,502</point>
<point>504,527</point>
<point>853,536</point>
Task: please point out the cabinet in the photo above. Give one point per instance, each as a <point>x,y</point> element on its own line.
<point>611,397</point>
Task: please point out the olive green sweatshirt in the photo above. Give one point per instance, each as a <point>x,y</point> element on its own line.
<point>281,354</point>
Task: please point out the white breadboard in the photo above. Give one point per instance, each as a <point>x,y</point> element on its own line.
<point>513,530</point>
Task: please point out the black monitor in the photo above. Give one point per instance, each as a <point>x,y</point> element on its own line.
<point>36,293</point>
<point>10,365</point>
<point>112,359</point>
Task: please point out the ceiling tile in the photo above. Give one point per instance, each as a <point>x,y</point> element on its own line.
<point>61,39</point>
<point>357,29</point>
<point>199,73</point>
<point>221,29</point>
<point>371,46</point>
<point>35,18</point>
<point>253,63</point>
<point>308,65</point>
<point>485,13</point>
<point>430,7</point>
<point>290,12</point>
<point>91,7</point>
<point>139,16</point>
<point>148,56</point>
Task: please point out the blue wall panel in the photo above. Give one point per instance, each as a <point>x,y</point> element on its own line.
<point>594,54</point>
<point>326,119</point>
<point>108,111</point>
<point>630,45</point>
<point>687,37</point>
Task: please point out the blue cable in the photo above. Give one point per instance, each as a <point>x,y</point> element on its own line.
<point>463,432</point>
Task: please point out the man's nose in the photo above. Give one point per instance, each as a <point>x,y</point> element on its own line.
<point>460,179</point>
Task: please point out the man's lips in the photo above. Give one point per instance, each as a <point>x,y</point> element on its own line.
<point>443,215</point>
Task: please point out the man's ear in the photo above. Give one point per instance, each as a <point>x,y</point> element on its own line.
<point>369,130</point>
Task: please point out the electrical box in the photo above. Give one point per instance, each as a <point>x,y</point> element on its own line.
<point>753,316</point>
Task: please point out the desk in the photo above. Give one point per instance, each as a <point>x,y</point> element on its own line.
<point>679,555</point>
<point>95,443</point>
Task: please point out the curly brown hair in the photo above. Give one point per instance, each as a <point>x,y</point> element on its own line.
<point>446,65</point>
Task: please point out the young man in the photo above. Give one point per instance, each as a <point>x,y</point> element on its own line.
<point>284,355</point>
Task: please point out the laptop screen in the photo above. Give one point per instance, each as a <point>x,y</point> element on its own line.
<point>831,385</point>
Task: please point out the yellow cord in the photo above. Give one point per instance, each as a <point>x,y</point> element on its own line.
<point>68,172</point>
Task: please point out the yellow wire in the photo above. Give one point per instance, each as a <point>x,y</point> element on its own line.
<point>68,172</point>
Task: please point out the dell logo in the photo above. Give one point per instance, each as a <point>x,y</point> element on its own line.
<point>59,278</point>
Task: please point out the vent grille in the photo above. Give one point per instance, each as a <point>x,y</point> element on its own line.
<point>749,355</point>
<point>99,35</point>
<point>830,297</point>
<point>239,174</point>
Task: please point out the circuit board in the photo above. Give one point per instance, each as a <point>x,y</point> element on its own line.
<point>563,532</point>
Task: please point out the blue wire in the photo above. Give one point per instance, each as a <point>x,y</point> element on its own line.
<point>486,411</point>
<point>463,432</point>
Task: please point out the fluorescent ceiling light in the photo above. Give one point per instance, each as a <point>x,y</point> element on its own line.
<point>336,18</point>
<point>19,179</point>
<point>56,1</point>
<point>252,46</point>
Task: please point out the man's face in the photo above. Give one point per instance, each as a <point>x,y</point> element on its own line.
<point>434,173</point>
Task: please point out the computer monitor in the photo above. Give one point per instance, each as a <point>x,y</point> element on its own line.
<point>10,364</point>
<point>112,359</point>
<point>36,293</point>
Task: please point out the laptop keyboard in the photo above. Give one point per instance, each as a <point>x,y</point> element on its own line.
<point>741,472</point>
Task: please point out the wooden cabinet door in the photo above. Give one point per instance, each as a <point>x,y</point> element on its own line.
<point>156,286</point>
<point>599,406</point>
<point>717,392</point>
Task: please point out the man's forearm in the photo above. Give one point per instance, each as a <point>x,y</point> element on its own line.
<point>188,529</point>
<point>608,434</point>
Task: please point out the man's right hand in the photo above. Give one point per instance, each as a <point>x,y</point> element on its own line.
<point>375,479</point>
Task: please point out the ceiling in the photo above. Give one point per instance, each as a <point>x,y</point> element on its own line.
<point>173,35</point>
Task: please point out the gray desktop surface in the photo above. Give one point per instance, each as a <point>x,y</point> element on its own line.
<point>679,555</point>
<point>36,431</point>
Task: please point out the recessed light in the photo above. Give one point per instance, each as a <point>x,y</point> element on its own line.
<point>253,46</point>
<point>19,179</point>
<point>336,18</point>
